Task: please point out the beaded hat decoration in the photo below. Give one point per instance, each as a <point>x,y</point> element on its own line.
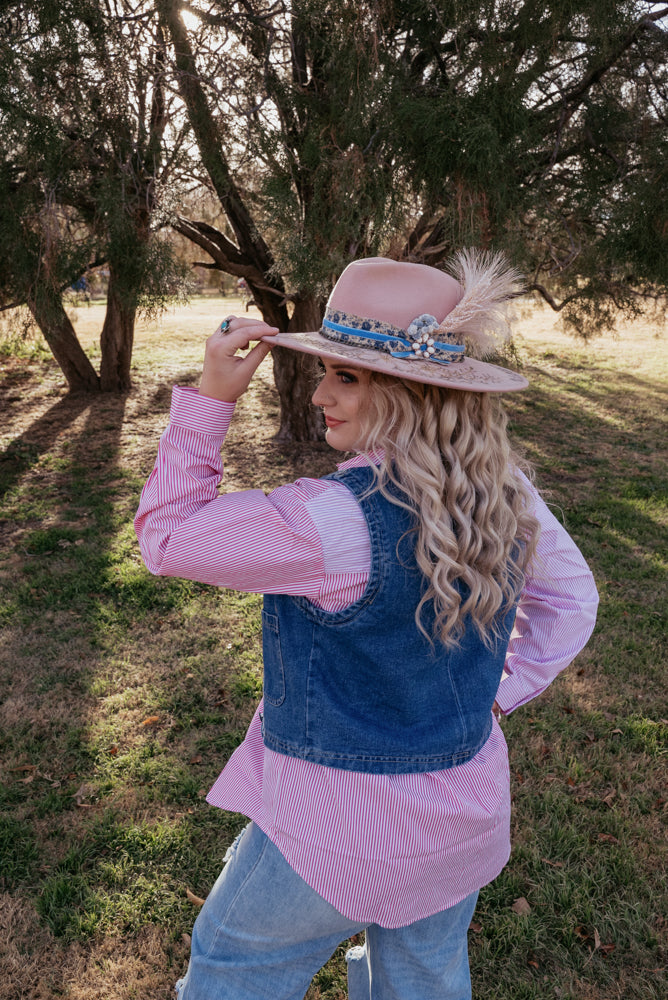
<point>414,321</point>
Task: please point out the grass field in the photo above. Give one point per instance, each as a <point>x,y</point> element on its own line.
<point>123,694</point>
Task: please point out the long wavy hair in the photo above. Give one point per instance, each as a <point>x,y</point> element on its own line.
<point>447,454</point>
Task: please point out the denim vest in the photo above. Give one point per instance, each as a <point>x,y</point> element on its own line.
<point>362,689</point>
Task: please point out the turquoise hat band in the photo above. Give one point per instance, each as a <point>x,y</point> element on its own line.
<point>415,343</point>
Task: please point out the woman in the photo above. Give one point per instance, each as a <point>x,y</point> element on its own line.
<point>409,597</point>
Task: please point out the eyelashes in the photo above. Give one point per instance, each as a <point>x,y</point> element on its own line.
<point>347,377</point>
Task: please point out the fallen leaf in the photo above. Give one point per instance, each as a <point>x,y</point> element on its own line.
<point>607,838</point>
<point>475,927</point>
<point>580,932</point>
<point>597,945</point>
<point>607,948</point>
<point>521,907</point>
<point>553,864</point>
<point>192,898</point>
<point>151,720</point>
<point>186,939</point>
<point>609,798</point>
<point>196,760</point>
<point>25,767</point>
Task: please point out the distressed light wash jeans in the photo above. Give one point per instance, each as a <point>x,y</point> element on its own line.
<point>263,934</point>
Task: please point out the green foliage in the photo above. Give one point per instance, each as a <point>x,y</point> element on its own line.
<point>19,337</point>
<point>84,171</point>
<point>415,128</point>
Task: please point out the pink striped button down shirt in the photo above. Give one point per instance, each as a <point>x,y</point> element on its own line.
<point>386,849</point>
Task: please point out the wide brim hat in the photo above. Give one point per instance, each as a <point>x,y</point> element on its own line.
<point>417,322</point>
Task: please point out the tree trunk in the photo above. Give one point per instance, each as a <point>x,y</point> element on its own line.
<point>116,340</point>
<point>295,378</point>
<point>46,306</point>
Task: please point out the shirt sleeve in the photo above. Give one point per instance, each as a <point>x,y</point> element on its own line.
<point>243,540</point>
<point>555,615</point>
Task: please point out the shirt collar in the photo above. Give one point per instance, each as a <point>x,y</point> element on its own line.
<point>362,459</point>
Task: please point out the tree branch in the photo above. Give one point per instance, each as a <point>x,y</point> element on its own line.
<point>209,140</point>
<point>543,292</point>
<point>225,256</point>
<point>576,93</point>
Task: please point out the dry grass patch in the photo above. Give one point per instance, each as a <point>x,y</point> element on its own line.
<point>111,968</point>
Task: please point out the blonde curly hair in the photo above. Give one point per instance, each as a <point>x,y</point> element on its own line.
<point>447,451</point>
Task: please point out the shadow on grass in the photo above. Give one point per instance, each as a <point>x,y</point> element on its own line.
<point>122,692</point>
<point>25,450</point>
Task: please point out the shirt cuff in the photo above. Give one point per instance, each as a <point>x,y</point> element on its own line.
<point>200,413</point>
<point>513,692</point>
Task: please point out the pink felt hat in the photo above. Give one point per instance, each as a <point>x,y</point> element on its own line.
<point>417,322</point>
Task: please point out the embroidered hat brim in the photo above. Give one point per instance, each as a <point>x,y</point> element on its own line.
<point>476,376</point>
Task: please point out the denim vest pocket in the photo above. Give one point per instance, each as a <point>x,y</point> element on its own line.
<point>274,676</point>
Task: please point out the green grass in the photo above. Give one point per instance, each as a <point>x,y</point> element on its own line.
<point>118,877</point>
<point>124,694</point>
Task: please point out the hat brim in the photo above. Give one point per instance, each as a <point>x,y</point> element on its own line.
<point>469,374</point>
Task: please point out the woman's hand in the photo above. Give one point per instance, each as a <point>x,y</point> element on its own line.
<point>226,375</point>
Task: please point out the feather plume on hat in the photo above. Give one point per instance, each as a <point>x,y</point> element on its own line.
<point>480,318</point>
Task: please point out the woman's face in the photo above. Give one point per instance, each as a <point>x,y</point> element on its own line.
<point>343,394</point>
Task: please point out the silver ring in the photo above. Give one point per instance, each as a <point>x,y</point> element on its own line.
<point>225,325</point>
